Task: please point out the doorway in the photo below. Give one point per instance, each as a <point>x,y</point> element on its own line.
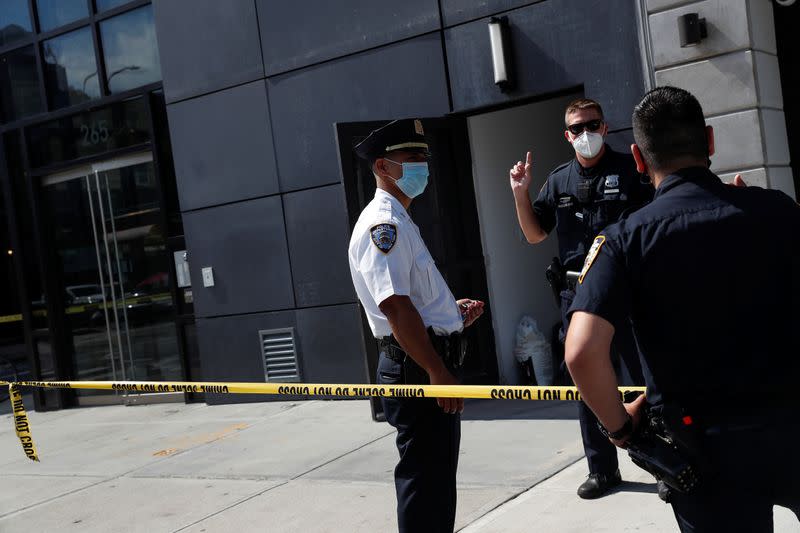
<point>107,231</point>
<point>787,18</point>
<point>515,270</point>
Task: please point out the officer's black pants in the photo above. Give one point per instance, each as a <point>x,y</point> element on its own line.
<point>600,453</point>
<point>428,441</point>
<point>750,471</point>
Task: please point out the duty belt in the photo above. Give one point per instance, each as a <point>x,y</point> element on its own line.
<point>451,348</point>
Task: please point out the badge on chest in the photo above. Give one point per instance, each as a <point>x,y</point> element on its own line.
<point>384,236</point>
<point>611,185</point>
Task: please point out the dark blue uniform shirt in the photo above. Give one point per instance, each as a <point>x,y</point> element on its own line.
<point>579,202</point>
<point>710,276</point>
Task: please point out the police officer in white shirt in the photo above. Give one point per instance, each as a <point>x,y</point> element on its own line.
<point>417,322</point>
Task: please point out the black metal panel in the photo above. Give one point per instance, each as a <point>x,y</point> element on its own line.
<point>555,46</point>
<point>303,32</point>
<point>245,243</point>
<point>621,140</point>
<point>317,229</point>
<point>459,11</point>
<point>306,103</point>
<point>206,45</point>
<point>222,144</point>
<point>332,344</point>
<point>230,350</point>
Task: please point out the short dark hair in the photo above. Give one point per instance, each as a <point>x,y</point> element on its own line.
<point>668,124</point>
<point>579,105</point>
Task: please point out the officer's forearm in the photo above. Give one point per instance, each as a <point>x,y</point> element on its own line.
<point>587,354</point>
<point>409,330</point>
<point>528,220</point>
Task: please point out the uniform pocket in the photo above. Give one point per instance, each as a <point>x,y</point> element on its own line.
<point>423,278</point>
<point>389,372</point>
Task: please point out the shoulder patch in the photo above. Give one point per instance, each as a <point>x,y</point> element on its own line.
<point>384,236</point>
<point>591,256</point>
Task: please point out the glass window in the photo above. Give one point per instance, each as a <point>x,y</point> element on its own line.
<point>130,49</point>
<point>15,21</point>
<point>70,68</point>
<point>19,85</point>
<point>55,13</point>
<point>105,5</point>
<point>109,128</point>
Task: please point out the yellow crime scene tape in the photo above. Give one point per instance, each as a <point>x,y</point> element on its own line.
<point>487,392</point>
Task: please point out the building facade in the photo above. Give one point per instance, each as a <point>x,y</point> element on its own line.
<point>178,184</point>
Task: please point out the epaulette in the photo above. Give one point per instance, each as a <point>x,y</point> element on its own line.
<point>560,167</point>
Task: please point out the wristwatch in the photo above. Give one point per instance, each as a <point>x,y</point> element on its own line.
<point>621,433</point>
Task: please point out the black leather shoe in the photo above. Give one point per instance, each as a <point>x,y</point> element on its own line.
<point>598,485</point>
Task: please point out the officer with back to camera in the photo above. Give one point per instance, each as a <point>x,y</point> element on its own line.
<point>579,199</point>
<point>417,323</point>
<point>710,276</point>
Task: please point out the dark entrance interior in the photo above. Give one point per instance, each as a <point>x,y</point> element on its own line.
<point>787,19</point>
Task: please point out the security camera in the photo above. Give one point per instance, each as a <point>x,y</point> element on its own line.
<point>785,3</point>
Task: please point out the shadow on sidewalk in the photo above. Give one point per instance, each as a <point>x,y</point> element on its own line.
<point>637,486</point>
<point>519,410</point>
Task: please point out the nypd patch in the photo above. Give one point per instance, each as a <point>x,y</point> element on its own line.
<point>384,236</point>
<point>591,256</point>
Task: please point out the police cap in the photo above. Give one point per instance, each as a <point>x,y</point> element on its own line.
<point>406,134</point>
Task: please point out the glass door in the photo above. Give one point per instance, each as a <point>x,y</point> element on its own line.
<point>114,264</point>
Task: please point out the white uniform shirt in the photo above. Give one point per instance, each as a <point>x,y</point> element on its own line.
<point>406,269</point>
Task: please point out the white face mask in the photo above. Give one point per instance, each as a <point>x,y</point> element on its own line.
<point>588,144</point>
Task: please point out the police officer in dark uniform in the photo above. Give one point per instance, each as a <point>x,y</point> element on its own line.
<point>709,274</point>
<point>579,199</point>
<point>417,322</point>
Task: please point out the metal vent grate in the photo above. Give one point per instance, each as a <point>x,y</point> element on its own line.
<point>280,354</point>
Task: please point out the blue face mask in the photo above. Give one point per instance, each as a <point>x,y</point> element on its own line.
<point>414,178</point>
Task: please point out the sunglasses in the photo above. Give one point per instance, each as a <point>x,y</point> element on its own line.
<point>591,125</point>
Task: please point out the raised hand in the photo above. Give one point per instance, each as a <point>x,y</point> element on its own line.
<point>520,175</point>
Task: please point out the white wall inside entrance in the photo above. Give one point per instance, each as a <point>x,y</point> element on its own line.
<point>515,269</point>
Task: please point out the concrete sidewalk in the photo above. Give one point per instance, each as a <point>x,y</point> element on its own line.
<point>301,467</point>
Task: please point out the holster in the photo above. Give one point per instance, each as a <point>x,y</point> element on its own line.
<point>667,447</point>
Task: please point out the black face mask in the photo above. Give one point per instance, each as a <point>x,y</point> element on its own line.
<point>585,191</point>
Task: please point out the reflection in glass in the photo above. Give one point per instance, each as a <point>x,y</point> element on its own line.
<point>19,85</point>
<point>13,352</point>
<point>55,13</point>
<point>103,5</point>
<point>114,126</point>
<point>70,68</point>
<point>130,50</point>
<point>15,21</point>
<point>109,224</point>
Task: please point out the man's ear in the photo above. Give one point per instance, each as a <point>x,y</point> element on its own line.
<point>566,136</point>
<point>710,139</point>
<point>641,166</point>
<point>379,167</point>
